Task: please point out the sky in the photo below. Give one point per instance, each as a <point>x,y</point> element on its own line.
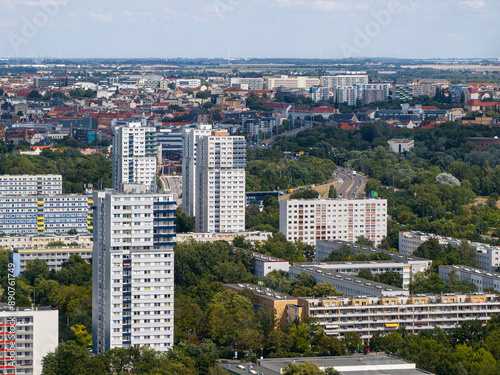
<point>250,28</point>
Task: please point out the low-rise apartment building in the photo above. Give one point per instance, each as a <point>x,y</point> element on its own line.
<point>33,242</point>
<point>253,236</point>
<point>324,248</point>
<point>53,256</point>
<point>311,220</point>
<point>348,284</point>
<point>482,279</point>
<point>367,315</point>
<point>376,268</point>
<point>487,256</point>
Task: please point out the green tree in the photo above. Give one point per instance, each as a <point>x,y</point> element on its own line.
<point>68,358</point>
<point>332,192</point>
<point>36,268</point>
<point>305,194</point>
<point>305,368</point>
<point>34,95</point>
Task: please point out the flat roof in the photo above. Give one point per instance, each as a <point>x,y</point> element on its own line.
<point>368,364</point>
<point>268,258</point>
<point>262,291</point>
<point>351,279</point>
<point>474,271</point>
<point>394,255</point>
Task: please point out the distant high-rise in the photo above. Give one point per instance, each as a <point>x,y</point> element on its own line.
<point>135,152</point>
<point>191,137</point>
<point>133,270</point>
<point>220,183</point>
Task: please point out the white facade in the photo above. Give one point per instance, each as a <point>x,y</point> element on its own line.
<point>487,256</point>
<point>401,145</point>
<point>190,140</point>
<point>291,82</point>
<point>187,83</point>
<point>134,155</point>
<point>31,335</point>
<point>344,80</point>
<point>133,271</point>
<point>220,184</point>
<point>264,264</point>
<point>49,184</point>
<point>311,220</point>
<point>251,83</point>
<point>34,242</point>
<point>480,278</point>
<point>53,256</point>
<point>253,236</point>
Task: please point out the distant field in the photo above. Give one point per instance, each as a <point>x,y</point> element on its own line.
<point>479,68</point>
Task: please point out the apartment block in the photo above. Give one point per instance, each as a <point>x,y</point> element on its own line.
<point>487,256</point>
<point>45,215</point>
<point>135,155</point>
<point>190,141</point>
<point>291,82</point>
<point>344,80</point>
<point>133,270</point>
<point>350,285</point>
<point>34,242</point>
<point>247,83</point>
<point>28,335</point>
<point>220,183</point>
<point>324,248</point>
<point>367,315</point>
<point>482,279</point>
<point>53,256</point>
<point>252,236</point>
<point>311,220</point>
<point>264,264</point>
<point>30,185</point>
<point>353,268</point>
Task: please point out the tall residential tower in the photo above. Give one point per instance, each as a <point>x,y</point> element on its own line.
<point>133,270</point>
<point>135,151</point>
<point>191,138</point>
<point>220,183</point>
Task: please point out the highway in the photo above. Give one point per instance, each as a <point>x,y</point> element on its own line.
<point>172,185</point>
<point>351,186</point>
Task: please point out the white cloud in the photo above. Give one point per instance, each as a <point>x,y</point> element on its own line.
<point>104,17</point>
<point>474,4</point>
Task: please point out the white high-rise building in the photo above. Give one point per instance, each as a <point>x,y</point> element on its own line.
<point>311,220</point>
<point>38,184</point>
<point>133,270</point>
<point>220,183</point>
<point>344,80</point>
<point>28,335</point>
<point>191,137</point>
<point>135,152</point>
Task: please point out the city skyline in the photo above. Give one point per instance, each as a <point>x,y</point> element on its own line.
<point>249,28</point>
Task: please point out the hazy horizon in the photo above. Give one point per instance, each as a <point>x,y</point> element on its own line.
<point>309,29</point>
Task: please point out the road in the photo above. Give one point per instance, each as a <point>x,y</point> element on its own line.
<point>351,186</point>
<point>172,185</point>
